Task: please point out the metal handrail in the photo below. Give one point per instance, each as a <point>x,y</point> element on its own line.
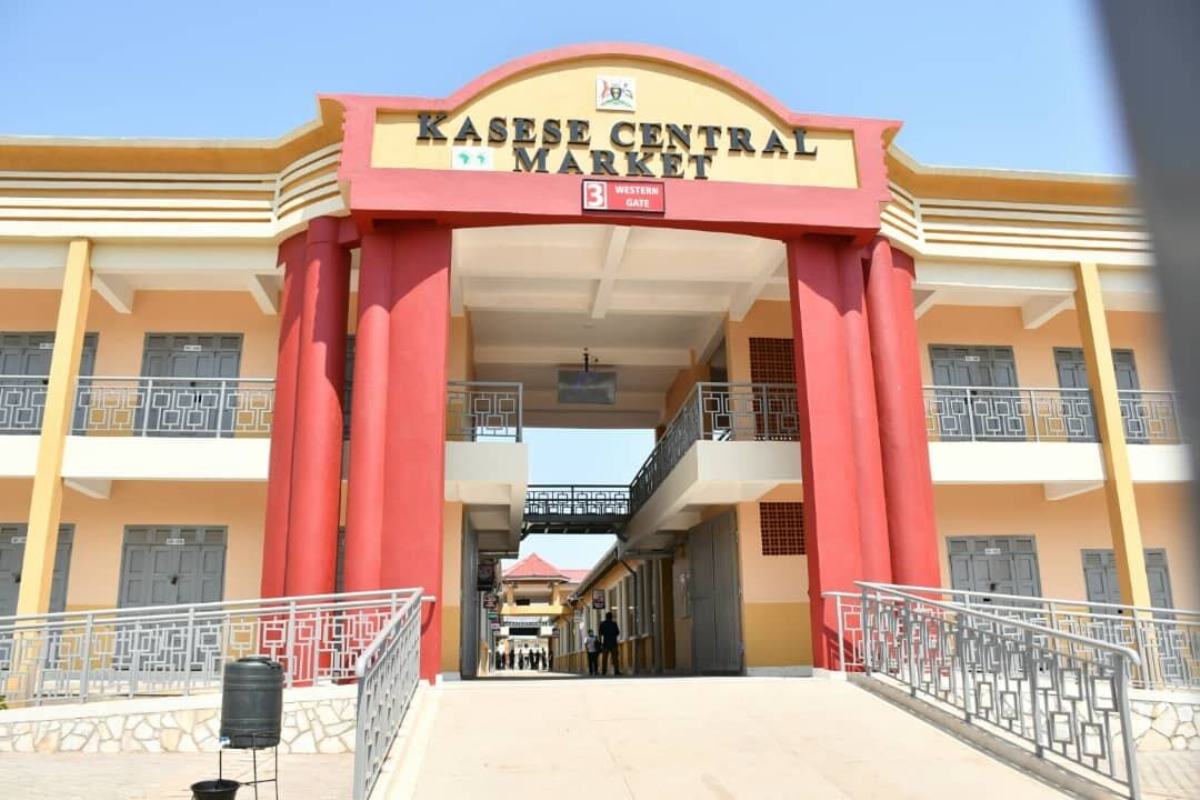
<point>77,656</point>
<point>500,417</point>
<point>387,673</point>
<point>1062,695</point>
<point>909,593</point>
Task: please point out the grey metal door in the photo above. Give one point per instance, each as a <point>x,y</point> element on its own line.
<point>169,565</point>
<point>191,383</point>
<point>22,402</point>
<point>12,554</point>
<point>1073,374</point>
<point>1100,577</point>
<point>715,596</point>
<point>984,414</point>
<point>998,564</point>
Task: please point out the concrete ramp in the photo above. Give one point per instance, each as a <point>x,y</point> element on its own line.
<point>690,737</point>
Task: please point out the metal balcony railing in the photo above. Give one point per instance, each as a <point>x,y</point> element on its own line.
<point>1061,695</point>
<point>719,412</point>
<point>592,508</point>
<point>484,411</point>
<point>1167,639</point>
<point>226,407</point>
<point>1017,414</point>
<point>82,656</point>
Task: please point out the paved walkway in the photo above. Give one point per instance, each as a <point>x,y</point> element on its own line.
<point>145,776</point>
<point>691,737</point>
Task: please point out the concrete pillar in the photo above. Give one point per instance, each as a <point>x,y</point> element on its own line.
<point>368,417</point>
<point>864,427</point>
<point>45,502</point>
<point>283,423</point>
<point>823,393</point>
<point>1118,482</point>
<point>313,509</point>
<point>415,445</point>
<point>907,482</point>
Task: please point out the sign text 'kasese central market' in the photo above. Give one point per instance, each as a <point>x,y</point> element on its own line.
<point>628,148</point>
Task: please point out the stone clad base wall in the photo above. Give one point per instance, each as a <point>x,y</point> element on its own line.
<point>1165,720</point>
<point>319,720</point>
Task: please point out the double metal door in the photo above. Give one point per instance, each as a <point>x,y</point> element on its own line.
<point>189,384</point>
<point>994,564</point>
<point>12,555</point>
<point>977,407</point>
<point>170,565</point>
<point>24,371</point>
<point>1100,577</point>
<point>1073,374</point>
<point>715,596</point>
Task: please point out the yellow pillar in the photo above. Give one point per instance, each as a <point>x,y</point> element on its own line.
<point>46,501</point>
<point>1118,483</point>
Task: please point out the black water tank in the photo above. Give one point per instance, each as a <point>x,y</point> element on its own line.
<point>252,703</point>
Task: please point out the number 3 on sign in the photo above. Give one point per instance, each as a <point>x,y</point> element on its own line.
<point>595,195</point>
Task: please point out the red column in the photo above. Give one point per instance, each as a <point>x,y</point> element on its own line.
<point>826,440</point>
<point>317,454</point>
<point>906,477</point>
<point>416,423</point>
<point>864,421</point>
<point>279,477</point>
<point>368,416</point>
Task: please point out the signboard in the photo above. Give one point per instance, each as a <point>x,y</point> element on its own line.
<point>598,599</point>
<point>992,551</point>
<point>485,577</point>
<point>641,197</point>
<point>495,626</point>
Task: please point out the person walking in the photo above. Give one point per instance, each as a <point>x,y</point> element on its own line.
<point>609,633</point>
<point>591,646</point>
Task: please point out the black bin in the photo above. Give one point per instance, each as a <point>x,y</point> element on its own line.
<point>252,703</point>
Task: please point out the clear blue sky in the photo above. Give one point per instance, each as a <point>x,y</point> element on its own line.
<point>1016,84</point>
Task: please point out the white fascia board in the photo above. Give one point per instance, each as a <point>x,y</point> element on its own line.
<point>18,456</point>
<point>1014,462</point>
<point>137,458</point>
<point>1159,463</point>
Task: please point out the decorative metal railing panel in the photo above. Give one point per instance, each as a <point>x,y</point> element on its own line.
<point>988,414</point>
<point>594,500</point>
<point>154,650</point>
<point>1150,417</point>
<point>1062,696</point>
<point>388,672</point>
<point>719,412</point>
<point>216,407</point>
<point>482,411</point>
<point>1167,640</point>
<point>22,402</point>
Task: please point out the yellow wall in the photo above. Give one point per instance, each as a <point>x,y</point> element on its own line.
<point>770,319</point>
<point>776,630</point>
<point>100,526</point>
<point>1062,528</point>
<point>1033,350</point>
<point>679,389</point>
<point>451,597</point>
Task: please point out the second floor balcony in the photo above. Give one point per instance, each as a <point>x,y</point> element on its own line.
<point>201,407</point>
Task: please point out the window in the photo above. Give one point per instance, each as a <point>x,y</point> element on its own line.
<point>782,526</point>
<point>523,601</point>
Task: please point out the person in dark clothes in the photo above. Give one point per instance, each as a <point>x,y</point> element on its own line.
<point>512,658</point>
<point>609,633</point>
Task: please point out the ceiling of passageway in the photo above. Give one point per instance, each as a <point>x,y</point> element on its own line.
<point>646,302</point>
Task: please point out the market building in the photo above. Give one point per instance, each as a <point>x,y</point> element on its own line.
<point>238,369</point>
